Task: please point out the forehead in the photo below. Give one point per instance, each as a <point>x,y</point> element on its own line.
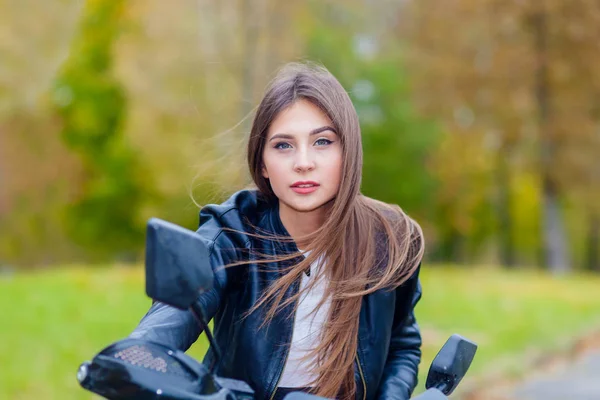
<point>299,118</point>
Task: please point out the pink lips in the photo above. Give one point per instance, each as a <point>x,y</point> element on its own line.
<point>305,187</point>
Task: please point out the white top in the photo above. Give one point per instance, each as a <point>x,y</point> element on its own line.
<point>307,329</point>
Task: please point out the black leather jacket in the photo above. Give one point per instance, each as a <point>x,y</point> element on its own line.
<point>389,340</point>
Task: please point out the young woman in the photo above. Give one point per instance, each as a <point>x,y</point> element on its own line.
<point>315,283</point>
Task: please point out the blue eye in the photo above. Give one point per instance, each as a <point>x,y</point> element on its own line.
<point>324,142</point>
<point>281,145</point>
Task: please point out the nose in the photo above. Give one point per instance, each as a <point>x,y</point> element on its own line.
<point>304,161</point>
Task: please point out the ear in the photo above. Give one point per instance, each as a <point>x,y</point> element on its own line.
<point>264,172</point>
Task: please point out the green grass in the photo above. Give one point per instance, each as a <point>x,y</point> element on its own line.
<point>513,317</point>
<point>51,321</point>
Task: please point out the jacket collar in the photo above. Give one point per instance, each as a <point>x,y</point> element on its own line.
<point>275,225</point>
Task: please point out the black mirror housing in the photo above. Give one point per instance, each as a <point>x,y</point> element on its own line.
<point>451,364</point>
<point>177,264</point>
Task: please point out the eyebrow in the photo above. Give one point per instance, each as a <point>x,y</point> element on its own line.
<point>313,132</point>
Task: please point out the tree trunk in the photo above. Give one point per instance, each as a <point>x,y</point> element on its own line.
<point>555,245</point>
<point>553,232</point>
<point>207,43</point>
<point>251,18</point>
<point>504,206</point>
<point>593,244</point>
<point>451,247</point>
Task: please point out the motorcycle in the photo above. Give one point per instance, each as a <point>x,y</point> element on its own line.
<point>176,275</point>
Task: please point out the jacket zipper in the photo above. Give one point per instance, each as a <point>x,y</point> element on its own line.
<point>287,354</point>
<point>362,377</point>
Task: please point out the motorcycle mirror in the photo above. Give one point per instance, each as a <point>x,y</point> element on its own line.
<point>177,264</point>
<point>451,364</point>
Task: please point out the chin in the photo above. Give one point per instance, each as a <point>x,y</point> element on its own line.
<point>306,205</point>
<point>304,208</point>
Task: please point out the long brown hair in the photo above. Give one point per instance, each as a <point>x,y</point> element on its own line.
<point>366,245</point>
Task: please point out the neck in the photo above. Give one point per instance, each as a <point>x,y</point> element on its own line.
<point>301,223</point>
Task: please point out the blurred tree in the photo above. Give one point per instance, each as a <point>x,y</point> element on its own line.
<point>91,105</point>
<point>186,76</point>
<point>36,167</point>
<point>574,34</point>
<point>507,71</point>
<point>554,235</point>
<point>459,78</point>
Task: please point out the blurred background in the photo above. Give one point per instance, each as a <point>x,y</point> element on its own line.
<point>480,118</point>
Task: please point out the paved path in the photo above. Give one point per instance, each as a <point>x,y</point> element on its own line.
<point>577,381</point>
<point>572,378</point>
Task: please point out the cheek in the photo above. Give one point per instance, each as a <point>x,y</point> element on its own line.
<point>266,165</point>
<point>333,168</point>
<point>270,168</point>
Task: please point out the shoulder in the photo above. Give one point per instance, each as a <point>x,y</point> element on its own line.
<point>229,220</point>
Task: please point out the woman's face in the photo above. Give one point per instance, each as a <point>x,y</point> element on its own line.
<point>303,157</point>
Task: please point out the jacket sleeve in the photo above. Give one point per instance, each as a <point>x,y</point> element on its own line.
<point>178,329</point>
<point>400,372</point>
